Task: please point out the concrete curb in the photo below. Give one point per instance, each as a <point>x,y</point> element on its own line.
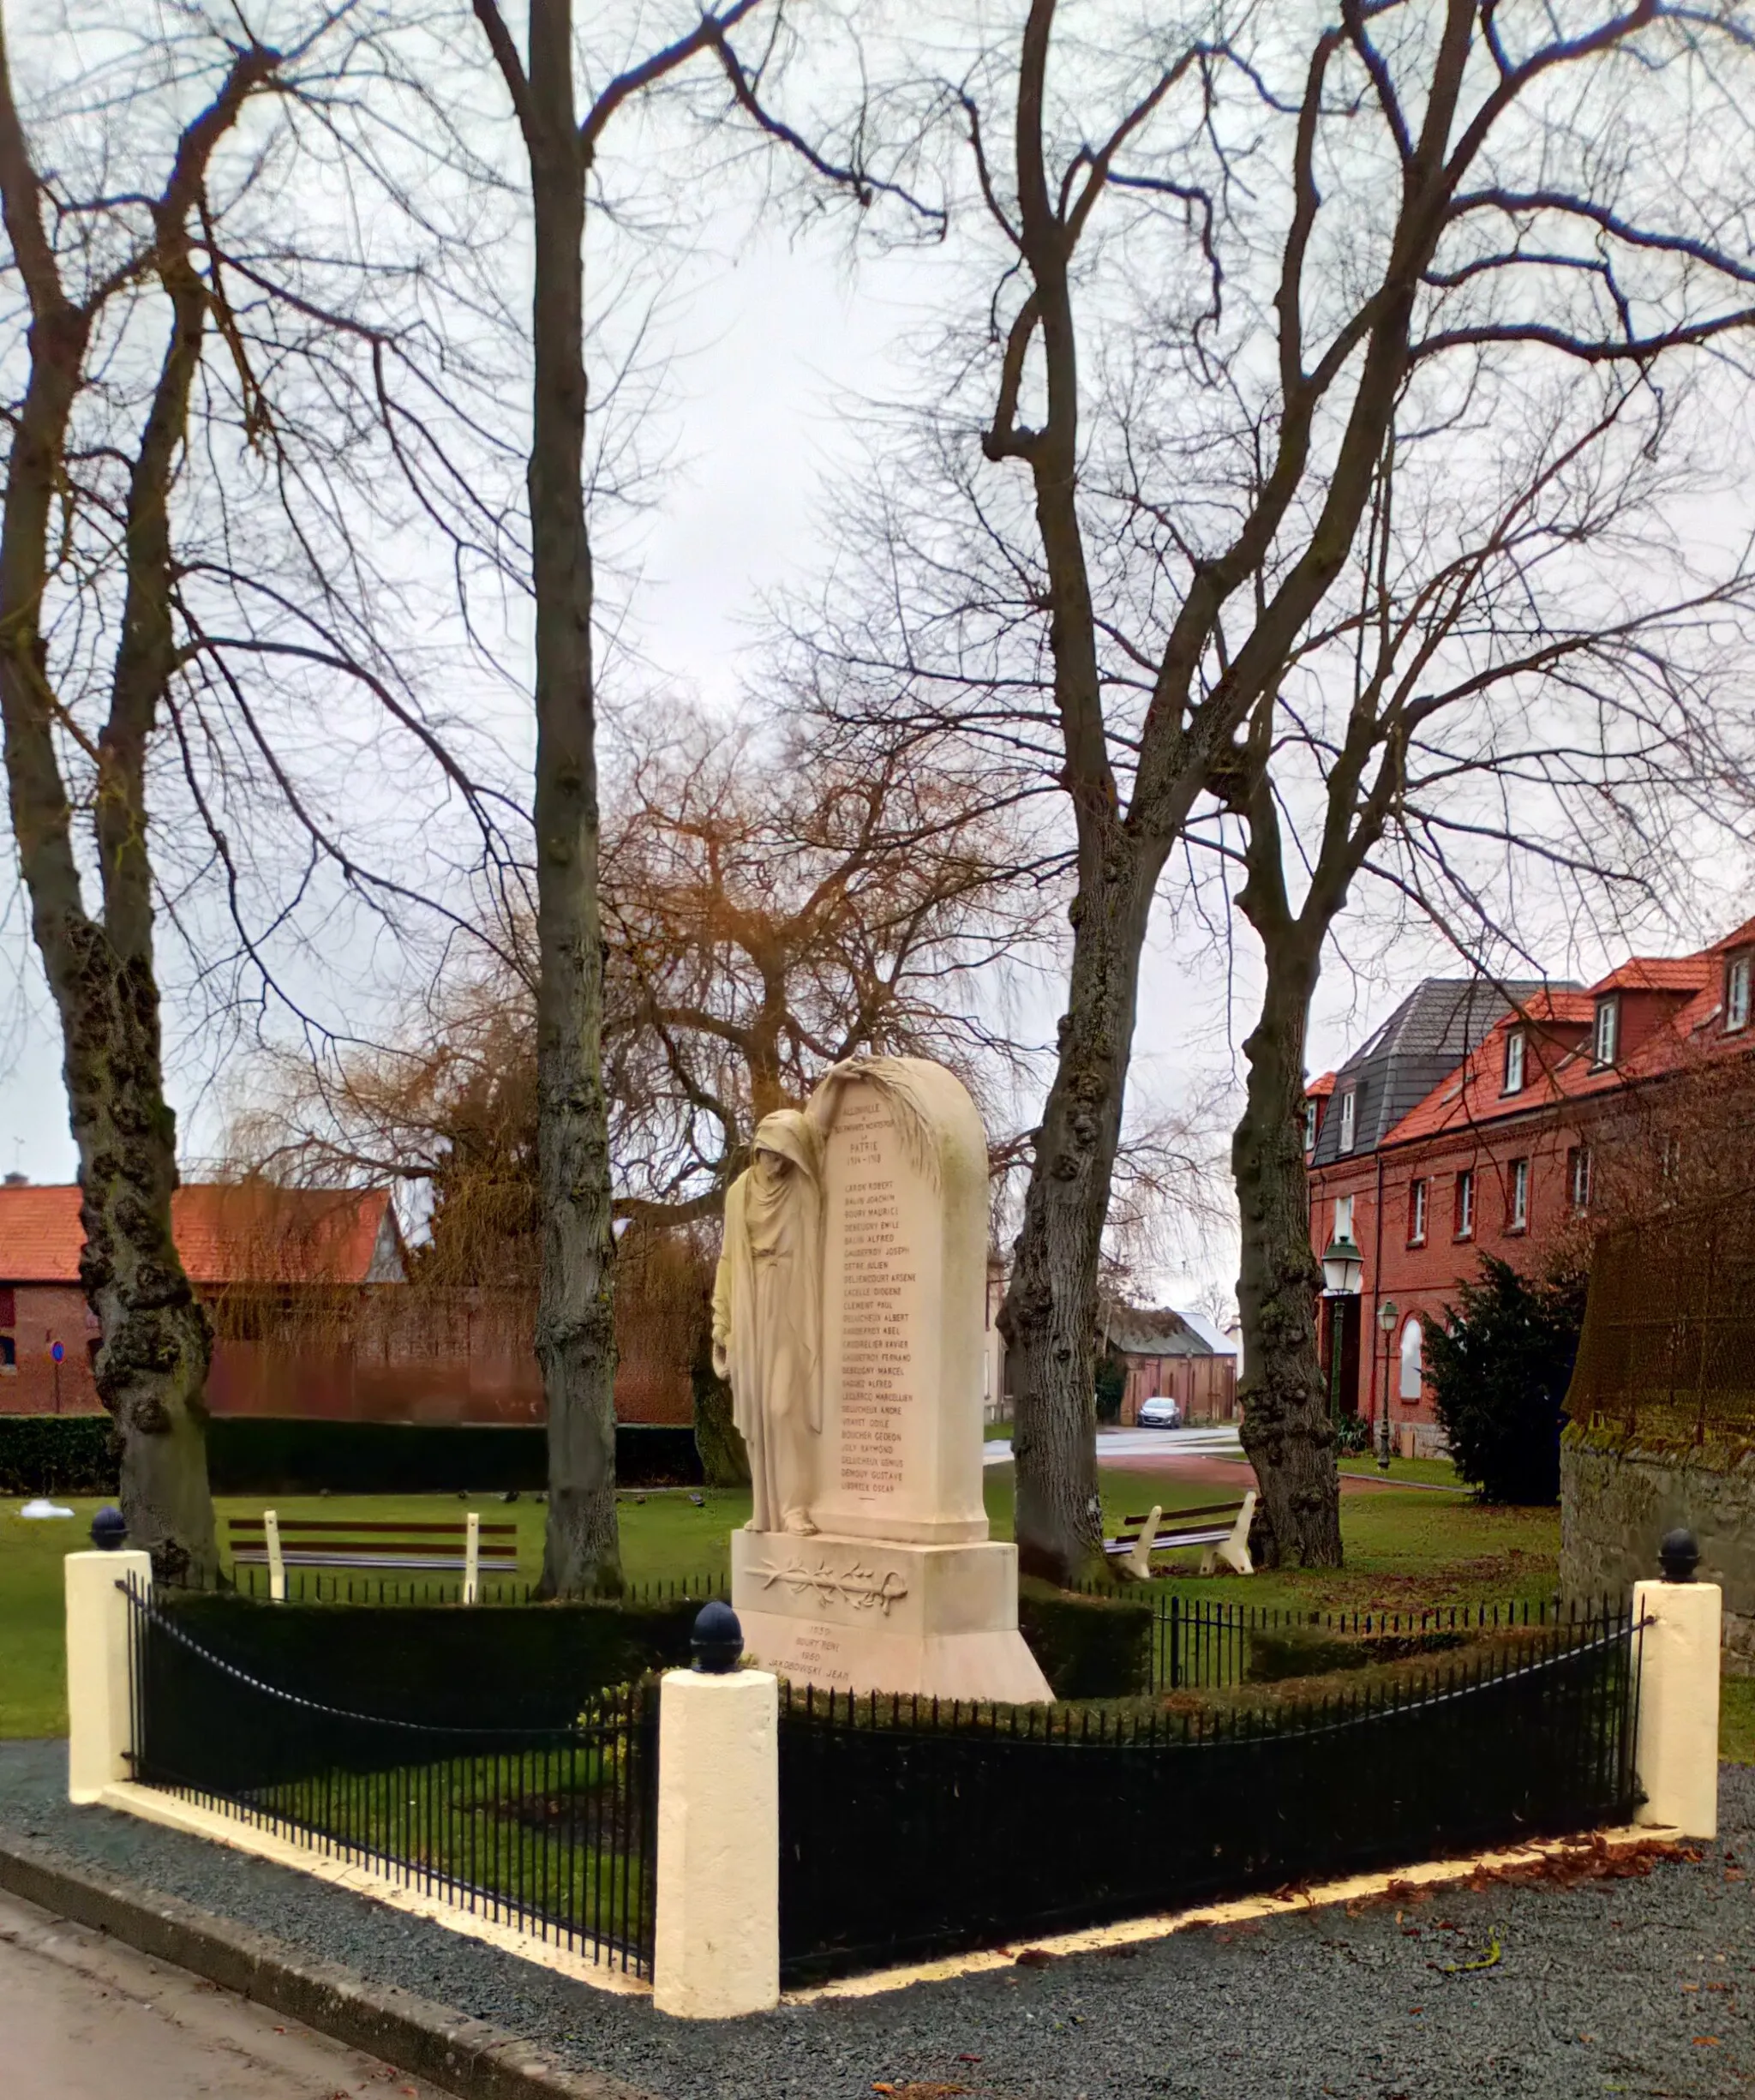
<point>472,2058</point>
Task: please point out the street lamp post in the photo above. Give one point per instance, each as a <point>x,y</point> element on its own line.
<point>1386,1317</point>
<point>1342,1267</point>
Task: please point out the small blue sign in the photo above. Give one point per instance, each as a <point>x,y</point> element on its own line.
<point>57,1351</point>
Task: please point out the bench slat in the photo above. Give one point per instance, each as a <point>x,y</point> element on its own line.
<point>451,1563</point>
<point>457,1530</point>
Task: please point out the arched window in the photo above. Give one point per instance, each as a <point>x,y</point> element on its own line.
<point>1412,1340</point>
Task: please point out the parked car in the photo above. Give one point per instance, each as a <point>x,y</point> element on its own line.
<point>1161,1412</point>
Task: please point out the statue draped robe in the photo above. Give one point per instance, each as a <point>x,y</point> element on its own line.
<point>768,1317</point>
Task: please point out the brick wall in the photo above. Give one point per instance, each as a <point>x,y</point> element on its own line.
<point>43,1314</point>
<point>1421,1277</point>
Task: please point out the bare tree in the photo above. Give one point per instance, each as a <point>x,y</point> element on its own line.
<point>1501,686</point>
<point>1226,251</point>
<point>99,272</point>
<point>564,148</point>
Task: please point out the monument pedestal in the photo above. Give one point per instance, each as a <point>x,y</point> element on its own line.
<point>868,1614</point>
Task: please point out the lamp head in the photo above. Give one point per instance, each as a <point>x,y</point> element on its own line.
<point>1342,1265</point>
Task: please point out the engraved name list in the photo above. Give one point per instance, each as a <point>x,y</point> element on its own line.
<point>877,1281</point>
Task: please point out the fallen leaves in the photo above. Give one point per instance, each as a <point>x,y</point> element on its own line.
<point>1566,1866</point>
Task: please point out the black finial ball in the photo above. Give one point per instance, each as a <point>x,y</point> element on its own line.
<point>109,1530</point>
<point>1679,1555</point>
<point>717,1640</point>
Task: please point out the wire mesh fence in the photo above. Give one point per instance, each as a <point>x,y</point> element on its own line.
<point>1667,1350</point>
<point>551,1829</point>
<point>913,1829</point>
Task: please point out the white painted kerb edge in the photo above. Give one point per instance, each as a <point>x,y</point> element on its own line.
<point>718,1951</point>
<point>99,1710</point>
<point>1675,1747</point>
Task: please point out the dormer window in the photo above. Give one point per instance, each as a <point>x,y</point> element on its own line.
<point>1514,1061</point>
<point>1606,1041</point>
<point>1309,1126</point>
<point>1736,993</point>
<point>1349,1102</point>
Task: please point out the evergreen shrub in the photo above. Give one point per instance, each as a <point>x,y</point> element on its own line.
<point>1088,1647</point>
<point>1499,1368</point>
<point>58,1454</point>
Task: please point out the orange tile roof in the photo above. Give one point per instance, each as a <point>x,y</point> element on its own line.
<point>1557,1072</point>
<point>1682,973</point>
<point>226,1233</point>
<point>1320,1090</point>
<point>1561,1009</point>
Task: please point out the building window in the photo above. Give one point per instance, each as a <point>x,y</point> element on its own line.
<point>1606,1041</point>
<point>1309,1126</point>
<point>1465,1205</point>
<point>1416,1214</point>
<point>1669,1159</point>
<point>1736,992</point>
<point>8,1357</point>
<point>1343,1217</point>
<point>1579,1176</point>
<point>1347,1103</point>
<point>1518,1216</point>
<point>1514,1062</point>
<point>1413,1344</point>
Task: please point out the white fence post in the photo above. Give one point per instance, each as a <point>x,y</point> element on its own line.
<point>472,1557</point>
<point>1675,1743</point>
<point>717,1927</point>
<point>100,1696</point>
<point>277,1561</point>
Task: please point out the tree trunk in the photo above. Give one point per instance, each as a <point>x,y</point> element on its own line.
<point>575,1326</point>
<point>154,1349</point>
<point>152,1364</point>
<point>724,1461</point>
<point>1049,1318</point>
<point>1286,1431</point>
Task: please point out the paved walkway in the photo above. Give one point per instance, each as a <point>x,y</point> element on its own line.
<point>1640,1986</point>
<point>1207,1458</point>
<point>82,2018</point>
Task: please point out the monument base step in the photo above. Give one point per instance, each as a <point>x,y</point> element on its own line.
<point>862,1615</point>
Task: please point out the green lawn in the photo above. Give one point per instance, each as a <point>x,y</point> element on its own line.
<point>1403,1551</point>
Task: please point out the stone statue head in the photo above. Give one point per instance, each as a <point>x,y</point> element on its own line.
<point>785,1142</point>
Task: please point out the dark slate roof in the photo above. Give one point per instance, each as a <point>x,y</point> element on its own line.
<point>1423,1040</point>
<point>1156,1330</point>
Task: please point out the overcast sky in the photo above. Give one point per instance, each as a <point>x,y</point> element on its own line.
<point>778,341</point>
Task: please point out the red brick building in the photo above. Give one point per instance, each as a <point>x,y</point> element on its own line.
<point>312,1315</point>
<point>1482,1119</point>
<point>232,1236</point>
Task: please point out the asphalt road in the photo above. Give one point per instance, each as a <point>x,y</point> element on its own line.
<point>84,2018</point>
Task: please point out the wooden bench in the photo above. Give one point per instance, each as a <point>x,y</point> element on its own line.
<point>466,1547</point>
<point>1223,1527</point>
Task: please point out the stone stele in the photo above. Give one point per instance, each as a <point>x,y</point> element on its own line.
<point>899,1589</point>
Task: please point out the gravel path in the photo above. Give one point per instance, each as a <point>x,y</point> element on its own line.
<point>1643,1986</point>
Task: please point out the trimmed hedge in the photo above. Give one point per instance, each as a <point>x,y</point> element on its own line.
<point>255,1454</point>
<point>58,1454</point>
<point>1089,1647</point>
<point>252,1455</point>
<point>475,1666</point>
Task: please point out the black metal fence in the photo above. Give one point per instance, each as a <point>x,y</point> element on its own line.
<point>550,1829</point>
<point>912,1828</point>
<point>1199,1644</point>
<point>342,1587</point>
